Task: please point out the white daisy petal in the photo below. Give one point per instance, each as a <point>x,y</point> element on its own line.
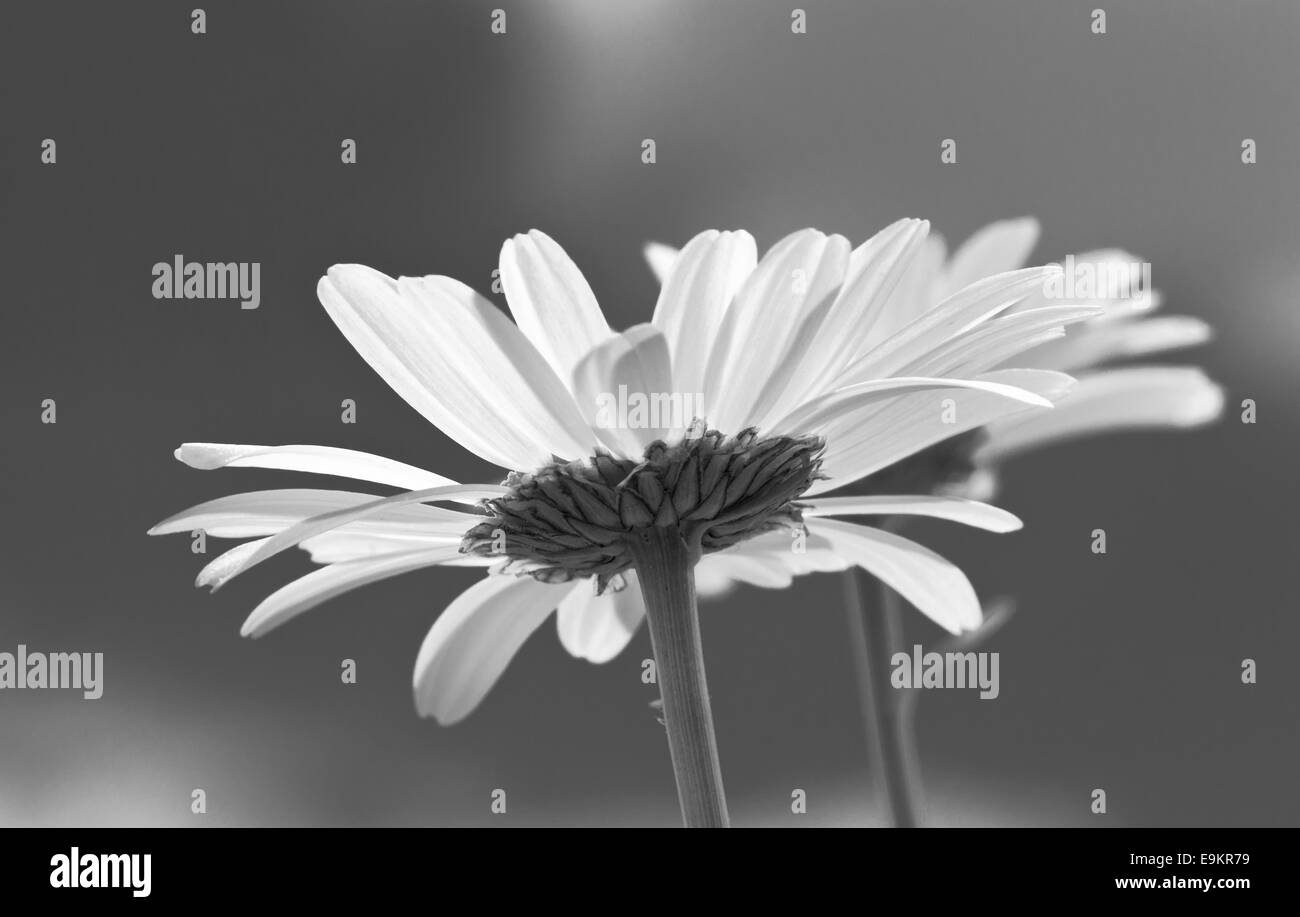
<point>829,336</point>
<point>266,512</point>
<point>727,567</point>
<point>1000,339</point>
<point>956,315</point>
<point>954,509</point>
<point>342,463</point>
<point>1101,342</point>
<point>551,300</point>
<point>628,370</point>
<point>1131,398</point>
<point>660,257</point>
<point>493,370</point>
<point>598,627</point>
<point>471,643</point>
<point>914,295</point>
<point>799,274</point>
<point>306,592</point>
<point>858,445</point>
<point>937,588</point>
<point>326,522</point>
<point>342,545</point>
<point>695,295</point>
<point>225,564</point>
<point>848,404</point>
<point>446,361</point>
<point>712,581</point>
<point>768,561</point>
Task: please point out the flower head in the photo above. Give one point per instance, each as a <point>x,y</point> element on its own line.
<point>801,394</point>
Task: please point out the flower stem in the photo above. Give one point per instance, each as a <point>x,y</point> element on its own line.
<point>875,635</point>
<point>666,572</point>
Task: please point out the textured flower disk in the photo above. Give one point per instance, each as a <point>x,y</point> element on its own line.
<point>574,519</point>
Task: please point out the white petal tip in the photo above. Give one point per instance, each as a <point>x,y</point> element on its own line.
<point>1204,407</point>
<point>210,581</point>
<point>442,718</point>
<point>1009,523</point>
<point>203,456</point>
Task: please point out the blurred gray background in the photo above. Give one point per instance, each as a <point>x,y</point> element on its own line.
<point>1120,672</point>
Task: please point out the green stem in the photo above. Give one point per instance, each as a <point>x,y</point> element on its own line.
<point>875,635</point>
<point>666,571</point>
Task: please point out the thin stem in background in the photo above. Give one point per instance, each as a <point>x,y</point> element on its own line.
<point>875,635</point>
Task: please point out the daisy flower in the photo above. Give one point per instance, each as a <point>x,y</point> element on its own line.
<point>608,523</point>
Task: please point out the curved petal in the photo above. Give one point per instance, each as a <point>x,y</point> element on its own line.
<point>342,463</point>
<point>729,569</point>
<point>471,643</point>
<point>453,360</point>
<point>551,300</point>
<point>916,293</point>
<point>1101,342</point>
<point>830,335</point>
<point>859,444</point>
<point>797,276</point>
<point>598,627</point>
<point>768,561</point>
<point>227,563</point>
<point>306,592</point>
<point>1004,338</point>
<point>937,588</point>
<point>713,581</point>
<point>342,545</point>
<point>829,409</point>
<point>494,373</point>
<point>955,316</point>
<point>954,509</point>
<point>1131,398</point>
<point>265,512</point>
<point>326,522</point>
<point>629,370</point>
<point>696,294</point>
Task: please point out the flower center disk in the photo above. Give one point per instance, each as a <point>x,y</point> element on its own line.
<point>577,519</point>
